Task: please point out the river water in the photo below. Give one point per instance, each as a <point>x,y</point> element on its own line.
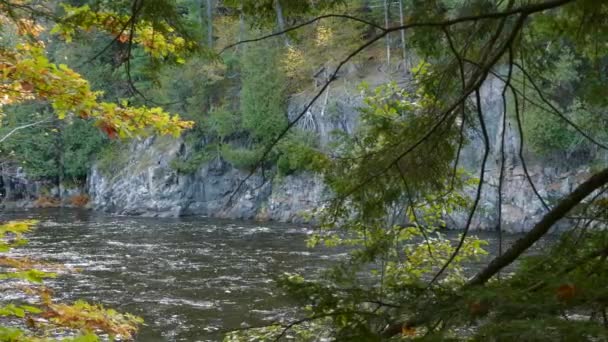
<point>189,278</point>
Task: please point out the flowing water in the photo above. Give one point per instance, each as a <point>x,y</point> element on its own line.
<point>189,278</point>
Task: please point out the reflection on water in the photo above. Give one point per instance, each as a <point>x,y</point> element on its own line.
<point>189,278</point>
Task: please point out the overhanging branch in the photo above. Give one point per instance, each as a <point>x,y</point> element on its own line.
<point>541,228</point>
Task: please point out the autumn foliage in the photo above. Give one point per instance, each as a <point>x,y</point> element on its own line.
<point>47,202</point>
<point>43,314</point>
<point>26,74</point>
<point>79,200</point>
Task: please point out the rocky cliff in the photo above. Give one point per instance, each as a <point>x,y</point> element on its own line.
<point>15,186</point>
<point>144,183</point>
<point>147,185</point>
<point>521,207</point>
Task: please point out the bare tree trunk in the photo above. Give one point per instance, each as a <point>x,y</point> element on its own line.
<point>207,17</point>
<point>281,20</point>
<point>241,23</point>
<point>210,23</point>
<point>325,101</point>
<point>401,22</point>
<point>6,180</point>
<point>388,40</point>
<point>60,159</point>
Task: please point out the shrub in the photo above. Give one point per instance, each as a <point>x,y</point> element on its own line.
<point>47,202</point>
<point>223,123</point>
<point>79,200</point>
<point>191,164</point>
<point>112,158</point>
<point>297,153</point>
<point>241,158</point>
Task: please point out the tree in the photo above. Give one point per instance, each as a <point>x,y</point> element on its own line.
<point>28,73</point>
<point>400,174</point>
<point>403,167</point>
<point>29,77</point>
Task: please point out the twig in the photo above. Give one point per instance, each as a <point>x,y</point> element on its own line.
<point>299,26</point>
<point>486,142</point>
<point>23,127</point>
<point>556,111</point>
<point>502,151</point>
<point>521,150</point>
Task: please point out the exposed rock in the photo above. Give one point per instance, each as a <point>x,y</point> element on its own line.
<point>521,208</point>
<point>146,184</point>
<point>16,187</point>
<point>17,190</point>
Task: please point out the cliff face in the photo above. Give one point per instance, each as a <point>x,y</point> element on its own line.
<point>18,190</point>
<point>147,185</point>
<point>144,183</point>
<point>15,186</point>
<point>521,207</point>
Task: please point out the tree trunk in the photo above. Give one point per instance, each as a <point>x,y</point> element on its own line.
<point>6,183</point>
<point>541,228</point>
<point>60,160</point>
<point>241,24</point>
<point>388,40</point>
<point>206,13</point>
<point>281,20</point>
<point>401,22</point>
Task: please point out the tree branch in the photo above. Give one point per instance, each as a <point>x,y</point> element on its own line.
<point>518,248</point>
<point>541,228</point>
<point>502,150</point>
<point>23,127</point>
<point>475,79</point>
<point>299,26</point>
<point>521,150</point>
<point>556,111</point>
<point>486,152</point>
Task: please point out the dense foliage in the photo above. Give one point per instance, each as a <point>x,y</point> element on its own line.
<point>395,179</point>
<point>59,147</point>
<point>38,315</point>
<point>64,107</point>
<point>398,177</point>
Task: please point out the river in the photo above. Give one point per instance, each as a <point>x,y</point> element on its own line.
<point>189,278</point>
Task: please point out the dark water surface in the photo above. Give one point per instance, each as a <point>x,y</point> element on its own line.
<point>189,278</point>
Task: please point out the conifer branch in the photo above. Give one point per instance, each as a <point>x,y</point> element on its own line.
<point>16,129</point>
<point>523,13</point>
<point>558,212</point>
<point>556,111</point>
